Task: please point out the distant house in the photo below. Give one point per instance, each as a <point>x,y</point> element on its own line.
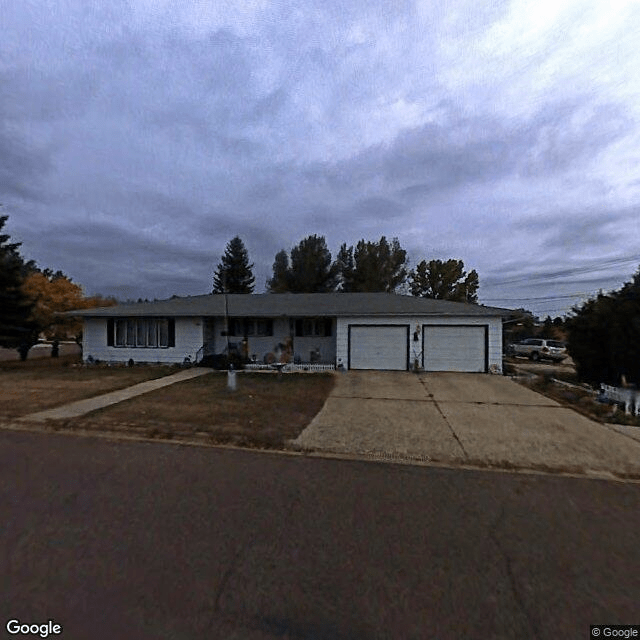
<point>352,330</point>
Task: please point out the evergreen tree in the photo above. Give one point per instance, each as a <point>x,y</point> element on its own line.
<point>280,282</point>
<point>234,273</point>
<point>310,269</point>
<point>372,266</point>
<point>604,336</point>
<point>16,328</point>
<point>444,281</point>
<point>345,267</point>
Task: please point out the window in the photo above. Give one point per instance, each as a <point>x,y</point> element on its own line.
<point>152,335</point>
<point>308,327</point>
<point>131,333</point>
<point>141,332</point>
<point>121,333</point>
<point>250,327</point>
<point>264,327</point>
<point>166,333</point>
<point>319,327</point>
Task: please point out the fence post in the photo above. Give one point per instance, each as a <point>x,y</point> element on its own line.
<point>231,378</point>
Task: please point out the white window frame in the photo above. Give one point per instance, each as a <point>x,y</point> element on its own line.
<point>251,327</point>
<point>141,333</point>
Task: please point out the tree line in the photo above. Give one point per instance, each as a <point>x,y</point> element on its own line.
<point>603,334</point>
<point>369,266</point>
<point>31,299</point>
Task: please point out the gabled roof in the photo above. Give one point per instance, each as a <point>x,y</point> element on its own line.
<point>296,304</point>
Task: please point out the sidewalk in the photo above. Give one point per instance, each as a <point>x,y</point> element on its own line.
<point>79,408</point>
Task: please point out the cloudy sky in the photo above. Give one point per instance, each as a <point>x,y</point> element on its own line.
<point>137,138</point>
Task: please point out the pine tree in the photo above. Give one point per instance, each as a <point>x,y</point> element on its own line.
<point>372,266</point>
<point>310,269</point>
<point>604,336</point>
<point>346,268</point>
<point>16,329</point>
<point>281,280</point>
<point>444,281</point>
<point>234,273</point>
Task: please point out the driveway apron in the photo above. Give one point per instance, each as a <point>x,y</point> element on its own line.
<point>456,418</point>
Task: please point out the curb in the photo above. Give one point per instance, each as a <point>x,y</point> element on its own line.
<point>372,458</point>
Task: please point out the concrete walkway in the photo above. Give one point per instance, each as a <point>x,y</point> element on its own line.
<point>81,407</point>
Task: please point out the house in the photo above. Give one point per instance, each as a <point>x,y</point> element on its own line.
<point>349,330</point>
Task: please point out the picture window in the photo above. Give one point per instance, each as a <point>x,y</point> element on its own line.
<point>141,332</point>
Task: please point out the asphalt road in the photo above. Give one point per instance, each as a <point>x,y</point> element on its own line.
<point>153,541</point>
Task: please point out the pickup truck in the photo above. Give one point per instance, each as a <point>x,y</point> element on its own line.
<point>539,349</point>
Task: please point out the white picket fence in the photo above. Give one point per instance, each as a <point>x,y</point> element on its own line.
<point>315,367</point>
<point>630,398</point>
<point>290,368</point>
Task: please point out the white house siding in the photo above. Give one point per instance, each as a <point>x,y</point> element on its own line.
<point>188,334</point>
<point>94,338</point>
<point>260,346</point>
<point>416,323</point>
<point>303,346</point>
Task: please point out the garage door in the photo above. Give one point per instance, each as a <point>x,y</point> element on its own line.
<point>379,347</point>
<point>455,348</point>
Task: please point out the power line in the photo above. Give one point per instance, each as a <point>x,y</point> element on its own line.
<point>614,262</point>
<point>542,298</point>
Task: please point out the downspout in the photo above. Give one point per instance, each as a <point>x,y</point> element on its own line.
<point>292,333</point>
<point>226,319</point>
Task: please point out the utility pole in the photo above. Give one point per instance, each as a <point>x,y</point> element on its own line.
<point>226,309</point>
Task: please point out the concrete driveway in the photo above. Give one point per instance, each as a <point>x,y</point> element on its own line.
<point>465,419</point>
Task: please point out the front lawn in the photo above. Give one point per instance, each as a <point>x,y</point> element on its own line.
<point>39,384</point>
<point>265,411</point>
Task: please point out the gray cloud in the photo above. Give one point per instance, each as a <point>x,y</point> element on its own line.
<point>583,231</point>
<point>89,248</point>
<point>130,155</point>
<point>22,168</point>
<point>377,207</point>
<point>554,142</point>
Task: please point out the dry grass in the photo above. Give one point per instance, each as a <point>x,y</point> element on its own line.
<point>265,411</point>
<point>35,385</point>
<point>582,401</point>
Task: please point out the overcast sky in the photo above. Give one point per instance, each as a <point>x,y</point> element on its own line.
<point>137,138</point>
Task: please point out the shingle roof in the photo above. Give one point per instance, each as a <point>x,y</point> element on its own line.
<point>296,304</point>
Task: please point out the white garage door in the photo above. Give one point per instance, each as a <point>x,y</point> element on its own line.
<point>455,348</point>
<point>378,347</point>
